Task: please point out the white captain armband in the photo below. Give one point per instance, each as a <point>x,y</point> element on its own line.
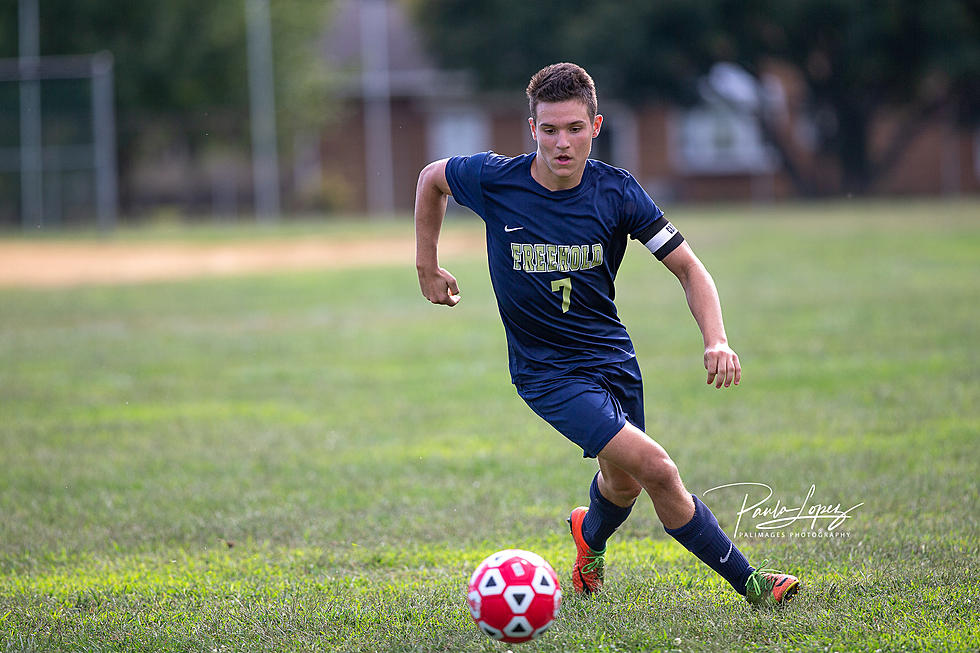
<point>661,238</point>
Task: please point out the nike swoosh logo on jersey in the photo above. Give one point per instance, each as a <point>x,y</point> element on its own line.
<point>510,229</point>
<point>725,559</point>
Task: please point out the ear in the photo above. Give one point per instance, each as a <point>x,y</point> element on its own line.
<point>534,133</point>
<point>596,125</point>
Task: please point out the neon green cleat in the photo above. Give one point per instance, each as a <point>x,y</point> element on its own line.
<point>589,569</point>
<point>764,584</point>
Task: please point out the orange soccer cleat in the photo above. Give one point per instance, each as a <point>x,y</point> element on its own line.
<point>588,572</point>
<point>764,584</point>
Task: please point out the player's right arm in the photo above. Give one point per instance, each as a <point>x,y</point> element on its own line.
<point>431,197</point>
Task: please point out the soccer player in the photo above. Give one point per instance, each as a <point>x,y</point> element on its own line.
<point>557,225</point>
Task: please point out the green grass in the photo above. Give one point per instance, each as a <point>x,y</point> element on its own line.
<point>317,460</point>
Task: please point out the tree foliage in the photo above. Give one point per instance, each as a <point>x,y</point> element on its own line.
<point>638,49</point>
<point>184,58</point>
<point>860,58</point>
<point>857,57</point>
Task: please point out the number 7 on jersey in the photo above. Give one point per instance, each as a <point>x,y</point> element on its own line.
<point>565,286</point>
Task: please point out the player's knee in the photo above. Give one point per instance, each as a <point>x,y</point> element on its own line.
<point>659,472</point>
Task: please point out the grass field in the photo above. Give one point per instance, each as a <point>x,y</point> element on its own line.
<point>317,459</point>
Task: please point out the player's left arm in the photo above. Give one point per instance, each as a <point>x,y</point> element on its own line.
<point>720,360</point>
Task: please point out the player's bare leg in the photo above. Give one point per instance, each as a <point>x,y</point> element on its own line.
<point>616,484</point>
<point>633,453</point>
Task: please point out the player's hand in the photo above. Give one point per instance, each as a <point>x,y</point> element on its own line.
<point>438,286</point>
<point>722,365</point>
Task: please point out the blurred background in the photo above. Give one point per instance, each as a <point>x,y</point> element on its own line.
<point>115,111</point>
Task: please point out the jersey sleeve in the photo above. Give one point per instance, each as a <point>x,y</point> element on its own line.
<point>646,223</point>
<point>464,174</point>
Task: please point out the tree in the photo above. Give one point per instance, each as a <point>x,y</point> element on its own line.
<point>858,58</point>
<point>640,49</point>
<point>180,65</point>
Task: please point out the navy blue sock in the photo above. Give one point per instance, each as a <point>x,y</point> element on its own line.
<point>704,538</point>
<point>602,519</point>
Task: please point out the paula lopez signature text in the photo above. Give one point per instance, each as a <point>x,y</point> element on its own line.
<point>779,515</point>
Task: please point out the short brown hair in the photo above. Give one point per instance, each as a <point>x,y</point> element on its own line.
<point>560,82</point>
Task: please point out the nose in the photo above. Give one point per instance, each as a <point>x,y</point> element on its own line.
<point>562,139</point>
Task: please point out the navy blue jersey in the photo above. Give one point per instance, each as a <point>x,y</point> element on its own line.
<point>553,257</point>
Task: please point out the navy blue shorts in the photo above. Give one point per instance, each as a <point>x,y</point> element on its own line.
<point>589,406</point>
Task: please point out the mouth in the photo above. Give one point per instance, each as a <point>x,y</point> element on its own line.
<point>563,159</point>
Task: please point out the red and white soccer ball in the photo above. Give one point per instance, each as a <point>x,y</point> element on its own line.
<point>514,595</point>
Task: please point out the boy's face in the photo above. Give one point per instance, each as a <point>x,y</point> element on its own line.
<point>564,135</point>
